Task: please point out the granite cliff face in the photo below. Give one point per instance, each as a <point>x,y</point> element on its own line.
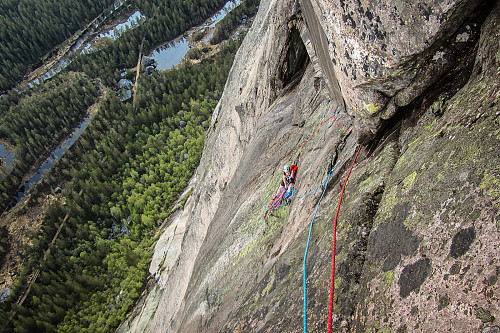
<point>419,228</point>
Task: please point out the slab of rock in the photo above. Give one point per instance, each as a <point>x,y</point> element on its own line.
<point>417,239</point>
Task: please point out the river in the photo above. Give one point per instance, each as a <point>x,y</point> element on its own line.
<point>134,20</point>
<point>51,160</point>
<point>171,54</point>
<point>9,157</point>
<point>166,57</point>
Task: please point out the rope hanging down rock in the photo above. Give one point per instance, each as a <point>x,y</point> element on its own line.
<point>332,284</point>
<point>276,202</point>
<point>305,254</point>
<point>325,182</point>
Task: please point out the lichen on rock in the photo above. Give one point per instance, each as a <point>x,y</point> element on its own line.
<point>418,228</point>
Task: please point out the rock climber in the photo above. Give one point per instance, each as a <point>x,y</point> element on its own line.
<point>285,190</point>
<point>288,182</point>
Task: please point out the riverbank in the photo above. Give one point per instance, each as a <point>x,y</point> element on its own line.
<point>57,54</point>
<point>26,217</point>
<point>64,142</point>
<point>53,57</point>
<point>9,148</point>
<point>7,154</point>
<point>170,54</point>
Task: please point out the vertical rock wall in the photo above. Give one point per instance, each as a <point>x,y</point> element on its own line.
<point>418,231</point>
<point>387,53</point>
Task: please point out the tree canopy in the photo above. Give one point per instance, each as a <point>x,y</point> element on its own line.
<point>120,179</point>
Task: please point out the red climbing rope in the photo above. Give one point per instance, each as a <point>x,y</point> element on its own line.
<point>316,131</point>
<point>330,311</point>
<point>277,199</point>
<point>340,125</point>
<point>324,121</point>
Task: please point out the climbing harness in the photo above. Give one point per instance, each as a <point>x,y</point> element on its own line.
<point>332,284</point>
<point>277,200</point>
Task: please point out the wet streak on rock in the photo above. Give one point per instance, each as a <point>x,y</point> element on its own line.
<point>320,44</point>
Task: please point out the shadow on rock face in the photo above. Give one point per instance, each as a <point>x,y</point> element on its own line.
<point>413,276</point>
<point>294,60</point>
<point>462,242</point>
<point>392,240</point>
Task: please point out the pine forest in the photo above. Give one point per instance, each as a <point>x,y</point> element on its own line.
<point>82,266</point>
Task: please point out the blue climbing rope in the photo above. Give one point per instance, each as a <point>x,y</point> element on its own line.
<point>274,203</point>
<point>323,183</point>
<point>317,188</point>
<point>308,194</point>
<point>327,179</point>
<point>274,206</point>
